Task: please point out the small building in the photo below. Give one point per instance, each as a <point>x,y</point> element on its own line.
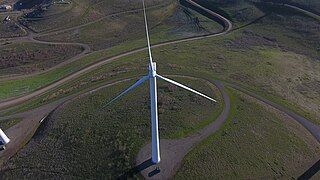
<point>5,7</point>
<point>3,140</point>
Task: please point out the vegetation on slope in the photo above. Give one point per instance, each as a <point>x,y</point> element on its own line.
<point>167,22</point>
<point>262,57</point>
<point>87,140</point>
<point>25,58</point>
<point>275,54</point>
<point>78,12</point>
<point>257,142</point>
<point>6,124</point>
<point>161,32</point>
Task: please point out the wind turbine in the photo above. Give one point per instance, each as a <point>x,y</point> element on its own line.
<point>3,140</point>
<point>152,77</point>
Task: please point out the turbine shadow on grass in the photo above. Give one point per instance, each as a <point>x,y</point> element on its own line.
<point>154,172</point>
<point>137,169</point>
<point>311,171</point>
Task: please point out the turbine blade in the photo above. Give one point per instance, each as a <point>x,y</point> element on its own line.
<point>147,32</point>
<point>185,87</point>
<point>140,81</point>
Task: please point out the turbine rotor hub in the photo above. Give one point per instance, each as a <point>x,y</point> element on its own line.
<point>153,69</point>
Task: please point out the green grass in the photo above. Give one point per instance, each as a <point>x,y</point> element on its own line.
<point>239,12</point>
<point>21,86</point>
<point>26,57</point>
<point>81,12</point>
<point>86,140</point>
<point>272,65</point>
<point>6,124</point>
<point>261,144</point>
<point>10,88</point>
<point>167,22</point>
<point>276,57</point>
<point>317,17</point>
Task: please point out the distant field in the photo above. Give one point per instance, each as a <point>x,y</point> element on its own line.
<point>79,12</point>
<point>276,57</point>
<point>23,85</point>
<point>24,58</point>
<point>256,143</point>
<point>166,22</point>
<point>159,34</point>
<point>239,12</point>
<point>86,140</point>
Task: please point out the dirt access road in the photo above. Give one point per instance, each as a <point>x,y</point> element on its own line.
<point>21,133</point>
<point>174,150</point>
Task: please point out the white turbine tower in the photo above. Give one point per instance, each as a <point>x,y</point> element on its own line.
<point>152,76</point>
<point>3,139</point>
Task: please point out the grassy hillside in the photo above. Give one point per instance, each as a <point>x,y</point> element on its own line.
<point>256,143</point>
<point>239,12</point>
<point>167,22</point>
<point>6,124</point>
<point>277,57</point>
<point>24,58</point>
<point>274,52</point>
<point>79,12</point>
<point>89,141</point>
<point>310,5</point>
<point>174,22</point>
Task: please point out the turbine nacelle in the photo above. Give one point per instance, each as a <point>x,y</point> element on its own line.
<point>152,69</point>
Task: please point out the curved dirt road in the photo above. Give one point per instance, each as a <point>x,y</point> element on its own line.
<point>311,127</point>
<point>21,133</point>
<point>58,31</point>
<point>173,151</point>
<point>13,101</point>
